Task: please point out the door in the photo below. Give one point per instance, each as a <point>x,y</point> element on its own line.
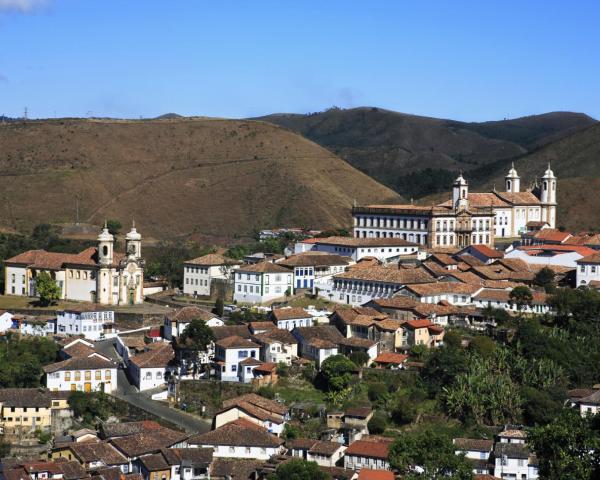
<point>87,387</point>
<point>305,283</point>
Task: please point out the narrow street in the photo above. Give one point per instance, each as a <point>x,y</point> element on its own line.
<point>129,393</point>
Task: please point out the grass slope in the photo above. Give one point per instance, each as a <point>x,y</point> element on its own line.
<point>175,176</point>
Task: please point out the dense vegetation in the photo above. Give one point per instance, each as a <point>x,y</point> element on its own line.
<point>22,359</point>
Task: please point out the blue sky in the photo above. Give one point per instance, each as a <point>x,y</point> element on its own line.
<point>467,60</point>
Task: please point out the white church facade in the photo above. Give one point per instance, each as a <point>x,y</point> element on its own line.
<point>466,219</point>
<point>97,274</point>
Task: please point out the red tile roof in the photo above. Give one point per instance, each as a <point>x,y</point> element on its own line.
<point>487,251</point>
<point>390,357</point>
<point>363,448</point>
<point>368,474</point>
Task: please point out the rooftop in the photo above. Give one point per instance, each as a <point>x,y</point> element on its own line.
<point>212,259</point>
<point>355,242</point>
<point>240,432</point>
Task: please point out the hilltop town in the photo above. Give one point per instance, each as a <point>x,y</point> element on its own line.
<point>420,341</point>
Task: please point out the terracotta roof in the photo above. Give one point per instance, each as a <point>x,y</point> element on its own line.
<point>154,462</point>
<point>415,324</point>
<point>519,198</point>
<point>314,259</point>
<point>487,251</point>
<point>147,442</point>
<point>513,433</point>
<point>25,397</point>
<point>56,261</point>
<point>187,314</point>
<point>399,276</point>
<point>480,200</point>
<point>594,258</point>
<point>78,349</point>
<point>92,362</point>
<point>363,448</point>
<point>288,313</point>
<point>443,258</point>
<point>439,288</point>
<point>230,331</point>
<point>155,358</point>
<point>266,368</point>
<point>552,235</point>
<point>358,412</point>
<point>355,242</point>
<point>539,298</point>
<point>592,399</point>
<point>321,336</point>
<point>103,452</point>
<point>277,335</point>
<point>357,342</point>
<point>240,432</point>
<point>236,342</point>
<point>264,267</point>
<point>581,250</point>
<point>390,357</point>
<point>262,326</point>
<point>325,448</point>
<point>368,474</point>
<point>212,259</point>
<point>234,469</point>
<point>249,361</point>
<point>473,444</point>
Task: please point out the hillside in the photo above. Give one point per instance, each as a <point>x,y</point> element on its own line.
<point>418,155</point>
<point>175,176</point>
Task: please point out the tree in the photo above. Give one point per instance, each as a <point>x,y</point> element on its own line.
<point>359,358</point>
<point>482,346</point>
<point>443,366</point>
<point>197,335</point>
<point>545,278</point>
<point>404,411</point>
<point>114,226</point>
<point>219,307</point>
<point>47,289</point>
<point>377,424</point>
<point>291,431</point>
<point>299,470</point>
<point>521,296</point>
<point>336,372</point>
<point>567,448</point>
<point>431,450</point>
<point>91,406</point>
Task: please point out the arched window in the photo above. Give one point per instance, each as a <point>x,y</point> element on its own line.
<point>508,184</point>
<point>105,250</point>
<point>545,185</point>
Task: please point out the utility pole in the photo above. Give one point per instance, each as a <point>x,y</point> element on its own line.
<point>25,113</point>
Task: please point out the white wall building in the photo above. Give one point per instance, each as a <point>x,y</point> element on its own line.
<point>97,274</point>
<point>262,282</point>
<point>230,352</point>
<point>151,369</point>
<point>199,273</point>
<point>176,322</point>
<point>550,255</point>
<point>84,374</point>
<point>588,271</point>
<point>390,249</point>
<point>314,269</point>
<point>91,321</point>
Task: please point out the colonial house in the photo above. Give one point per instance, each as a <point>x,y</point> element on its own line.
<point>477,452</point>
<point>368,453</point>
<point>17,469</point>
<point>325,454</point>
<point>176,322</point>
<point>465,219</point>
<point>25,410</point>
<point>176,464</point>
<point>515,460</point>
<point>91,373</point>
<point>500,299</point>
<point>289,318</point>
<point>240,438</point>
<point>277,346</point>
<point>368,323</point>
<point>94,455</point>
<point>230,353</point>
<point>152,368</point>
<point>97,274</point>
<point>391,360</point>
<point>422,332</point>
<point>360,285</point>
<point>454,293</point>
<point>551,255</point>
<point>318,343</point>
<point>262,282</point>
<point>35,326</point>
<point>483,253</point>
<point>91,321</point>
<point>588,271</point>
<point>589,404</point>
<point>314,270</point>
<point>265,413</point>
<point>201,274</point>
<point>389,250</point>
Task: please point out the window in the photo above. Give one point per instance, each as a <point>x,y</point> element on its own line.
<point>77,376</point>
<point>107,374</point>
<point>98,375</point>
<point>88,375</point>
<point>234,368</point>
<point>67,376</point>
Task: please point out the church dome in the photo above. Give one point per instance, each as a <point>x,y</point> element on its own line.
<point>133,234</point>
<point>512,173</point>
<point>548,173</point>
<point>460,180</point>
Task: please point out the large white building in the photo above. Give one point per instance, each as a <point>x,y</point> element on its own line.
<point>467,218</point>
<point>588,271</point>
<point>84,374</point>
<point>200,274</point>
<point>386,249</point>
<point>262,282</point>
<point>90,321</point>
<point>97,274</point>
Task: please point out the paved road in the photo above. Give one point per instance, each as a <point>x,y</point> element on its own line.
<point>130,394</point>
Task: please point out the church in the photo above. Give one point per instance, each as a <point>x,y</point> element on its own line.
<point>468,218</point>
<point>97,274</point>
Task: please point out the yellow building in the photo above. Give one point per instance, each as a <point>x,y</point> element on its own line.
<point>25,410</point>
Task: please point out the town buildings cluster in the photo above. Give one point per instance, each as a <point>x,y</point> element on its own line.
<point>405,275</point>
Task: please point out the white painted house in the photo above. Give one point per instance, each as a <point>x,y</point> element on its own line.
<point>230,353</point>
<point>389,249</point>
<point>588,271</point>
<point>34,326</point>
<point>318,343</point>
<point>277,346</point>
<point>92,321</point>
<point>262,282</point>
<point>314,270</point>
<point>200,273</point>
<point>85,374</point>
<point>151,369</point>
<point>176,322</point>
<point>288,318</point>
<point>478,451</point>
<point>240,439</point>
<point>549,255</point>
<point>500,299</point>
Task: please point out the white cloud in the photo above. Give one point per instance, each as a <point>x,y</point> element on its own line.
<point>23,6</point>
